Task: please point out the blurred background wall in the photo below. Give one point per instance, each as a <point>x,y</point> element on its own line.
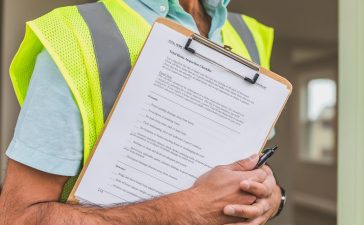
<point>305,51</point>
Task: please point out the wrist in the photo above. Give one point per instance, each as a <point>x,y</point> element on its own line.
<point>185,208</point>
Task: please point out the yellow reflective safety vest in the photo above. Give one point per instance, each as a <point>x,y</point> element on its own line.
<point>94,46</point>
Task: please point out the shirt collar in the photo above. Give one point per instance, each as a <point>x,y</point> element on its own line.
<point>216,3</point>
<point>161,7</point>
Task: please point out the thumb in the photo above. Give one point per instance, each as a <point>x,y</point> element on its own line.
<point>245,164</point>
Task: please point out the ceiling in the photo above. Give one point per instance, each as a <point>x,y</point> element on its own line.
<point>314,21</point>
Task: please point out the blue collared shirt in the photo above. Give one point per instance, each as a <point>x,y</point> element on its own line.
<point>171,9</point>
<point>48,135</point>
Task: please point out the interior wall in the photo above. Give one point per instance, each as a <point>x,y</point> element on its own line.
<point>311,187</point>
<point>314,184</point>
<point>310,25</point>
<point>282,162</point>
<point>14,15</point>
<point>1,30</point>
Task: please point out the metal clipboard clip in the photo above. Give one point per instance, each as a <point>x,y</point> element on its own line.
<point>225,51</point>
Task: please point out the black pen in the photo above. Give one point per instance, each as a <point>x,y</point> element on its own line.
<point>265,156</point>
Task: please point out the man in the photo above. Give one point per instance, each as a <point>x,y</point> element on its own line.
<point>64,75</point>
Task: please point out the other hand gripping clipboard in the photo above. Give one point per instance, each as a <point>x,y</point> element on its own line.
<point>252,79</point>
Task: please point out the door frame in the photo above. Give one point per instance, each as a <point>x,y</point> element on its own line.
<point>351,113</point>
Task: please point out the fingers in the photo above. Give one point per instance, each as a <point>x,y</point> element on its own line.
<point>259,183</point>
<point>245,164</point>
<point>258,175</point>
<point>257,189</point>
<point>268,170</point>
<point>258,221</point>
<point>246,199</point>
<point>251,212</point>
<point>256,214</point>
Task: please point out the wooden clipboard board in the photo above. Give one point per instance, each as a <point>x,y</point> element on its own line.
<point>190,35</point>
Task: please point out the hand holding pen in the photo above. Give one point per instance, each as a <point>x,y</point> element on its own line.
<point>266,154</point>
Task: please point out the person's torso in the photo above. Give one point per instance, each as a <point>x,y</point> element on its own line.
<point>80,39</point>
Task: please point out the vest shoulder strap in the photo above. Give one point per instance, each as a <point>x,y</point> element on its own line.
<point>249,38</point>
<point>84,42</point>
<point>66,37</point>
<point>116,45</point>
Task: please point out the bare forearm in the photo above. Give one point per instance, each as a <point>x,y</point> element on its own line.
<point>62,214</point>
<point>165,210</point>
<point>202,204</point>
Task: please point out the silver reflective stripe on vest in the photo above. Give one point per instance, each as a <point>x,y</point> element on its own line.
<point>245,34</point>
<point>111,51</point>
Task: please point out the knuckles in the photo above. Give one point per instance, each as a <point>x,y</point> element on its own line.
<point>266,206</point>
<point>261,191</point>
<point>261,175</point>
<point>259,211</point>
<point>268,170</point>
<point>220,167</point>
<point>248,199</point>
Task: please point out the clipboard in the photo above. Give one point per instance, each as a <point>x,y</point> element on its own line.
<point>191,37</point>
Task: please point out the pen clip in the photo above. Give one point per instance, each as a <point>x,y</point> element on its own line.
<point>275,147</point>
<point>265,155</point>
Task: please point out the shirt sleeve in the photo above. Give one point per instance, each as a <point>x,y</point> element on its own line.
<point>48,134</point>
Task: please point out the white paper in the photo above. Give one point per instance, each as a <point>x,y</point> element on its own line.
<point>178,117</point>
